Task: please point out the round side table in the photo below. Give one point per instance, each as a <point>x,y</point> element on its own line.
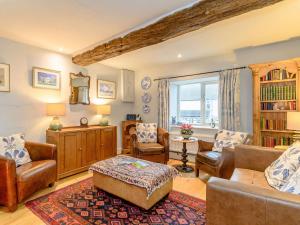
<point>184,167</point>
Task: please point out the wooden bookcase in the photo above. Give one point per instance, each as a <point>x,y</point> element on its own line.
<point>275,92</point>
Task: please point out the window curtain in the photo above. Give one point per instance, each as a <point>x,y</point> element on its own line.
<point>229,100</point>
<point>163,107</point>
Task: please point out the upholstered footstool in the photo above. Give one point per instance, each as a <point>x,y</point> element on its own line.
<point>140,182</point>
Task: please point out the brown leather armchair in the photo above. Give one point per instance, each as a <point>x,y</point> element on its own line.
<point>247,197</point>
<point>218,164</point>
<point>155,152</point>
<point>19,183</point>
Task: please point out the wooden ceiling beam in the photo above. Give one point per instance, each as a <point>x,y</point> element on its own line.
<point>201,14</point>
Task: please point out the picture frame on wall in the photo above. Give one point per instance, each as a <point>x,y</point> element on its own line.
<point>4,77</point>
<point>46,78</point>
<point>106,89</point>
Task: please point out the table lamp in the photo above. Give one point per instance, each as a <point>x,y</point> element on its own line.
<point>103,110</point>
<point>293,123</point>
<point>56,110</point>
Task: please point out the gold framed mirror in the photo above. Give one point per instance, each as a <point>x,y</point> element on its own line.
<point>80,89</point>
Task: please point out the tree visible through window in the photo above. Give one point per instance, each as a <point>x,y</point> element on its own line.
<point>194,101</point>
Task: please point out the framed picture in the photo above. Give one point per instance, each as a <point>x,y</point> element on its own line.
<point>4,77</point>
<point>106,89</point>
<point>45,78</point>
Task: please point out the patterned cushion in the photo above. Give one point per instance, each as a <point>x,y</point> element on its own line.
<point>281,170</point>
<point>230,139</point>
<point>13,147</point>
<point>146,132</point>
<point>293,185</point>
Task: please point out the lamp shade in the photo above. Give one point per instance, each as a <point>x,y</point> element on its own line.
<point>293,121</point>
<point>103,109</point>
<point>56,109</point>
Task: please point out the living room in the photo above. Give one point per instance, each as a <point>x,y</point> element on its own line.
<point>139,112</point>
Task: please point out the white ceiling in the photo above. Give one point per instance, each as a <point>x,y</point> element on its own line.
<point>76,24</point>
<point>272,24</point>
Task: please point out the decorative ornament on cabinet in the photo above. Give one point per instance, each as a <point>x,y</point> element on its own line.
<point>103,110</point>
<point>56,110</point>
<point>84,122</point>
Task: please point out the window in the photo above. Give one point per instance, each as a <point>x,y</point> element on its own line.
<point>194,101</point>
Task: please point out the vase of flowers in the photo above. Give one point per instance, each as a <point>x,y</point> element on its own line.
<point>186,131</point>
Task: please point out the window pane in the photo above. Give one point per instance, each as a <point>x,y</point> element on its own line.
<point>190,112</point>
<point>211,103</point>
<point>190,92</point>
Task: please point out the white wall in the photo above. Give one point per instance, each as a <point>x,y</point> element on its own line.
<point>240,57</point>
<point>23,108</point>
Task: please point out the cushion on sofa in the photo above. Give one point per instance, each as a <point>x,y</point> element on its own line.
<point>13,147</point>
<point>250,177</point>
<point>230,139</point>
<point>293,184</point>
<point>146,132</point>
<point>281,170</point>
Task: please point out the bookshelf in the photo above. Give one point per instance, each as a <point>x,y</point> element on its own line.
<point>275,92</point>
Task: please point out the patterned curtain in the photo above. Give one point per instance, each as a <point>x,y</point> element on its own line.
<point>229,100</point>
<point>163,104</point>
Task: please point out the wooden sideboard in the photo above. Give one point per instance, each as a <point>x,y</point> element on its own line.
<point>78,147</point>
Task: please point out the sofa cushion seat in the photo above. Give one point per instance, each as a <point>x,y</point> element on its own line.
<point>209,157</point>
<point>250,177</point>
<point>150,148</point>
<point>34,176</point>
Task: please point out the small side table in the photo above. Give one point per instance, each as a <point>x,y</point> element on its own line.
<point>184,167</point>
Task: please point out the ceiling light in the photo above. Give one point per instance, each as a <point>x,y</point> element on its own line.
<point>179,56</point>
<point>60,49</point>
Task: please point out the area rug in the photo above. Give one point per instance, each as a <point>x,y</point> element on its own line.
<point>81,203</point>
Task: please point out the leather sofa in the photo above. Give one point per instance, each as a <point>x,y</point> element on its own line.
<point>154,152</point>
<point>218,164</point>
<point>247,198</point>
<point>19,183</point>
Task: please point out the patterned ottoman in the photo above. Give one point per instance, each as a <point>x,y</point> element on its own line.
<point>140,182</point>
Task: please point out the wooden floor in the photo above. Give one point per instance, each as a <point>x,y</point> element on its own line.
<point>187,183</point>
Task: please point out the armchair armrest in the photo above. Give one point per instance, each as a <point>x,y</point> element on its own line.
<point>233,203</point>
<point>133,140</point>
<point>227,165</point>
<point>38,151</point>
<point>8,186</point>
<point>163,137</point>
<point>204,146</point>
<point>255,157</point>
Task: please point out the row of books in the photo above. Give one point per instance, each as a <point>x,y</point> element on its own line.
<point>275,106</point>
<point>278,74</point>
<point>266,124</point>
<point>273,141</point>
<point>270,93</point>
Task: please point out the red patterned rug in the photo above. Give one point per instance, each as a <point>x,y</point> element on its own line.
<point>81,203</point>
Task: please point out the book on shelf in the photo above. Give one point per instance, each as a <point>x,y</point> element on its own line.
<point>291,105</point>
<point>277,93</point>
<point>267,124</point>
<point>268,141</point>
<point>277,74</point>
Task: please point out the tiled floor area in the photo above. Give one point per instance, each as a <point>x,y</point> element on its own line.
<point>187,183</point>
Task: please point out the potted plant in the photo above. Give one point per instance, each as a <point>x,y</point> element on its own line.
<point>186,131</point>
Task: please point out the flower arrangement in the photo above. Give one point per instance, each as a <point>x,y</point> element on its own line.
<point>186,130</point>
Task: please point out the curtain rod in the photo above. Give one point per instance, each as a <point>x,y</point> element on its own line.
<point>196,74</point>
